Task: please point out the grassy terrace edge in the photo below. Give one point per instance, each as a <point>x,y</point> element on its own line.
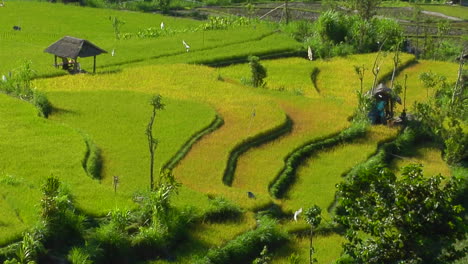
<point>182,152</point>
<point>292,161</point>
<point>252,142</point>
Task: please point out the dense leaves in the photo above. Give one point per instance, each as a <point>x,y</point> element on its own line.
<point>411,219</point>
<point>445,114</point>
<point>259,72</point>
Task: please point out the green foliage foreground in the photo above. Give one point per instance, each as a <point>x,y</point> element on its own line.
<point>412,219</point>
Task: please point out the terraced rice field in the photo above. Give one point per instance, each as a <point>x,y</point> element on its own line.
<point>112,109</point>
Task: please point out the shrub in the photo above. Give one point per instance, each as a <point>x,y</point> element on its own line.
<point>248,245</point>
<point>79,256</point>
<point>18,85</point>
<point>339,35</point>
<point>42,103</point>
<point>93,159</point>
<point>258,71</point>
<point>332,26</point>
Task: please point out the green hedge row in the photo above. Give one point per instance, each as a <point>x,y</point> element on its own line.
<point>215,124</point>
<point>402,145</point>
<point>286,176</point>
<point>251,142</point>
<point>242,58</point>
<point>247,246</point>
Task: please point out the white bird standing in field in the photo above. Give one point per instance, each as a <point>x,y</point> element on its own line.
<point>187,47</point>
<point>297,213</point>
<point>310,54</point>
<point>4,79</point>
<point>162,25</point>
<point>113,52</point>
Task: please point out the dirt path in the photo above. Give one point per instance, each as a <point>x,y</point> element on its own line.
<point>442,15</point>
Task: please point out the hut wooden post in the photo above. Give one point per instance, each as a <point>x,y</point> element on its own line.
<point>55,61</point>
<point>70,47</point>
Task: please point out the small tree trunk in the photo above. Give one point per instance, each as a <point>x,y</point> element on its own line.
<point>458,83</point>
<point>375,67</point>
<point>396,60</point>
<point>311,249</point>
<point>152,147</point>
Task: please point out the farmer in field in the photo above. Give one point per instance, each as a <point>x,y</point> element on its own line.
<point>381,112</point>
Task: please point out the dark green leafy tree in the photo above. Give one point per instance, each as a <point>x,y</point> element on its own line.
<point>153,142</point>
<point>163,5</point>
<point>366,8</point>
<point>258,71</point>
<point>264,258</point>
<point>410,219</point>
<point>444,115</point>
<point>313,217</point>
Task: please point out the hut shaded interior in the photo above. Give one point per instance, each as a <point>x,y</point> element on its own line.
<point>70,48</point>
<point>385,102</point>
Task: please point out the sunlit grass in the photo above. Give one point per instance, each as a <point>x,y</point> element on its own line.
<point>429,156</point>
<point>337,77</point>
<point>195,83</point>
<point>313,119</point>
<point>416,92</point>
<point>116,122</point>
<point>32,149</point>
<point>209,235</point>
<point>44,23</point>
<point>455,11</point>
<point>326,113</point>
<point>318,176</point>
<point>327,249</point>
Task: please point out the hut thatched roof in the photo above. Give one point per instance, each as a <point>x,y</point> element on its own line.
<point>382,91</point>
<point>70,47</point>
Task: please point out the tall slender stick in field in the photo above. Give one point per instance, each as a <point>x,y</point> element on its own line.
<point>360,72</point>
<point>404,95</point>
<point>153,142</point>
<point>375,67</point>
<point>458,83</point>
<point>396,61</point>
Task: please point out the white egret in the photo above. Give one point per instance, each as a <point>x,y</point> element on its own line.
<point>187,47</point>
<point>297,213</point>
<point>310,54</point>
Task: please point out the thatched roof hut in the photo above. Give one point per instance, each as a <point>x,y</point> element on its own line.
<point>382,92</point>
<point>70,47</point>
<point>385,103</point>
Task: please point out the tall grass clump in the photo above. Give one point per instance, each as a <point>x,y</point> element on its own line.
<point>19,84</point>
<point>337,34</point>
<point>259,72</point>
<point>60,226</point>
<point>247,246</point>
<point>79,256</point>
<point>93,159</point>
<point>150,231</point>
<point>221,210</point>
